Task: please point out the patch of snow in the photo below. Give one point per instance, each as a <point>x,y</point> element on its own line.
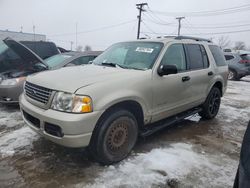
<point>159,165</point>
<point>17,141</point>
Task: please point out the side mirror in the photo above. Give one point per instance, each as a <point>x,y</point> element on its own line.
<point>167,69</point>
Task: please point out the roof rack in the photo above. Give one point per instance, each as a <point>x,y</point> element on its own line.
<point>192,38</point>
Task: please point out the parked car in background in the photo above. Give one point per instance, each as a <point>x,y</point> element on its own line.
<point>133,88</point>
<point>71,59</point>
<point>17,62</point>
<point>43,49</point>
<point>238,64</point>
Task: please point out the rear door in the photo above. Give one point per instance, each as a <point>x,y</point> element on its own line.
<point>201,72</point>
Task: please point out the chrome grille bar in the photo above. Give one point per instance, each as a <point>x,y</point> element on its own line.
<point>38,93</point>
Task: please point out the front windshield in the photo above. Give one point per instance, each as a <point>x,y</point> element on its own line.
<point>131,55</point>
<point>56,60</point>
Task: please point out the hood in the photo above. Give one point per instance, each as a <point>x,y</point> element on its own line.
<point>24,52</point>
<point>70,79</point>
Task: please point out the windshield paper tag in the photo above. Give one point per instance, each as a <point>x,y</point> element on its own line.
<point>145,50</point>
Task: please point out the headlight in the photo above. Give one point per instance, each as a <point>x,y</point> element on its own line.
<point>68,102</point>
<point>12,82</point>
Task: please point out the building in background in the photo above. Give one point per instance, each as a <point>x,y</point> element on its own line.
<point>20,36</point>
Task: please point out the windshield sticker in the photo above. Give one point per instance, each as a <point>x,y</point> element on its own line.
<point>145,50</point>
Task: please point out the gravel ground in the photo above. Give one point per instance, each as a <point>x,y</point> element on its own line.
<point>193,153</point>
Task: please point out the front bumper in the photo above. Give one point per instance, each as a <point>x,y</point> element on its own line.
<point>76,129</point>
<point>10,94</point>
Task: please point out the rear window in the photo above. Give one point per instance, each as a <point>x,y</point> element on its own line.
<point>42,49</point>
<point>218,55</point>
<point>245,57</point>
<point>229,57</point>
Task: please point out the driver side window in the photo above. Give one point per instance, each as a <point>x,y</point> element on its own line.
<point>175,55</point>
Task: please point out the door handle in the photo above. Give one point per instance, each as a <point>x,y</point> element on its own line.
<point>210,73</point>
<point>185,78</point>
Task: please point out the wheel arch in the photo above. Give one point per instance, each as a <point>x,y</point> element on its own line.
<point>131,105</point>
<point>219,85</point>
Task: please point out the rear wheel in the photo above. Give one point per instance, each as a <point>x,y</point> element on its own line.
<point>232,75</point>
<point>114,137</point>
<point>212,104</point>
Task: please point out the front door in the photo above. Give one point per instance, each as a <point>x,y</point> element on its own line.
<point>172,93</point>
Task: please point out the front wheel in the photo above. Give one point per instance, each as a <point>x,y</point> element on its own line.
<point>114,137</point>
<point>212,104</point>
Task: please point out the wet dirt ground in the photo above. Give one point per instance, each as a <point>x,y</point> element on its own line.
<point>193,153</point>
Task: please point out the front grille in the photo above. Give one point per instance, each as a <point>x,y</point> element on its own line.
<point>38,93</point>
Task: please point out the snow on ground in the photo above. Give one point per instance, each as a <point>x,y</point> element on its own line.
<point>14,137</point>
<point>19,140</point>
<point>178,162</point>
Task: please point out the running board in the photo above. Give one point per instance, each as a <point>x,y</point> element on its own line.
<point>150,129</point>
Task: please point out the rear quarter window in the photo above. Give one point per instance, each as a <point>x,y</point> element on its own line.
<point>218,55</point>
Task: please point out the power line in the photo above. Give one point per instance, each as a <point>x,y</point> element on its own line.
<point>206,13</point>
<point>149,18</point>
<point>148,27</point>
<point>93,30</point>
<point>213,33</point>
<point>218,27</point>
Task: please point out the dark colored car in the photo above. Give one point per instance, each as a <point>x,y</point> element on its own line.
<point>43,49</point>
<point>17,62</point>
<point>242,179</point>
<point>238,64</point>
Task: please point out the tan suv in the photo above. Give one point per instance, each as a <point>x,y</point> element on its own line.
<point>133,88</point>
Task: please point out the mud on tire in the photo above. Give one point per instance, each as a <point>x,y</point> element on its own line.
<point>114,137</point>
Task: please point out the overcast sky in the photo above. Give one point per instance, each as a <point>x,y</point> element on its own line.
<point>102,23</point>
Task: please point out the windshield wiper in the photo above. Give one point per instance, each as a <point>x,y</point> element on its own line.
<point>111,64</point>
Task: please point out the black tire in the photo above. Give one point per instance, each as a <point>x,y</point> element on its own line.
<point>114,137</point>
<point>232,75</point>
<point>212,104</point>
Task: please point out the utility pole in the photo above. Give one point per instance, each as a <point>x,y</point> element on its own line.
<point>71,44</point>
<point>76,34</point>
<point>34,32</point>
<point>140,8</point>
<point>179,25</point>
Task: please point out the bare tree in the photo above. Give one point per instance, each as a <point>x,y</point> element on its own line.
<point>79,48</point>
<point>224,42</point>
<point>87,48</point>
<point>239,45</point>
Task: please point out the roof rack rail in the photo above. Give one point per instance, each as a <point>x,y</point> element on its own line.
<point>192,38</point>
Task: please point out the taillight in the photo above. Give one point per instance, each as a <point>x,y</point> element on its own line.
<point>244,61</point>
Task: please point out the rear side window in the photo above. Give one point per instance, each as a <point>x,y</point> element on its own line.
<point>83,60</point>
<point>175,55</point>
<point>197,56</point>
<point>229,57</point>
<point>218,55</point>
